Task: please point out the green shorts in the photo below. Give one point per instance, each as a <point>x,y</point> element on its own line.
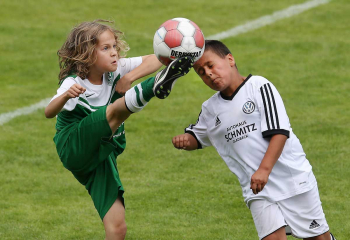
<point>87,150</point>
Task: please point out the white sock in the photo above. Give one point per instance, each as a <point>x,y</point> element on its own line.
<point>332,237</point>
<point>134,100</point>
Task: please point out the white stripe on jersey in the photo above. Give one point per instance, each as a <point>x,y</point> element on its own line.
<point>85,105</point>
<point>270,107</point>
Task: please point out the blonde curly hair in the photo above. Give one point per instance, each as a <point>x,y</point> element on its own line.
<point>77,53</point>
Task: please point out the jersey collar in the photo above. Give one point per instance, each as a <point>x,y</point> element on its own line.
<point>235,92</point>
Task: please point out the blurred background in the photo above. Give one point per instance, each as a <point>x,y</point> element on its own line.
<point>170,194</point>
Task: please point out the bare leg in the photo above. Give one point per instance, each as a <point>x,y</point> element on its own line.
<point>117,113</point>
<point>114,222</point>
<point>325,236</point>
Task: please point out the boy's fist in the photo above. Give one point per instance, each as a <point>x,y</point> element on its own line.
<point>181,141</point>
<point>74,91</point>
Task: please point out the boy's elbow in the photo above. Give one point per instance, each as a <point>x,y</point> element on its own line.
<point>48,114</point>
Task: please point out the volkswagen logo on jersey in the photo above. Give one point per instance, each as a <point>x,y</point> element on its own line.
<point>248,107</point>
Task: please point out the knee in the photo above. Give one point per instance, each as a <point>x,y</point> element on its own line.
<point>116,230</point>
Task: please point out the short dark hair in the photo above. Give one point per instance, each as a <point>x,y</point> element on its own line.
<point>217,47</point>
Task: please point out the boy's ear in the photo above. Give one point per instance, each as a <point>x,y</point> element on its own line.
<point>231,59</point>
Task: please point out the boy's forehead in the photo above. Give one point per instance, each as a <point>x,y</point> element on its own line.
<point>205,59</point>
<point>196,65</point>
<point>106,36</point>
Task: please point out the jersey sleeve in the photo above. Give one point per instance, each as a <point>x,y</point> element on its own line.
<point>274,118</point>
<point>71,103</point>
<point>199,132</point>
<point>128,64</point>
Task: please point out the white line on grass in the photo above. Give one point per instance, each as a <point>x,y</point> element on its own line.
<point>249,26</point>
<point>269,19</point>
<point>6,117</point>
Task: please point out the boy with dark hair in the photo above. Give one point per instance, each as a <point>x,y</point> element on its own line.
<point>247,123</point>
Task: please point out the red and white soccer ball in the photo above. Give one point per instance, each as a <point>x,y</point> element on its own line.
<point>178,37</point>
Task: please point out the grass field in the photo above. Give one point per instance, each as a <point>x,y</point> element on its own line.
<point>170,194</point>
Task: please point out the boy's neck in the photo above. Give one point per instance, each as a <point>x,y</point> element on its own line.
<point>95,79</point>
<point>237,80</point>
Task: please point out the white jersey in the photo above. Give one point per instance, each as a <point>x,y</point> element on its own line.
<point>240,128</point>
<point>97,96</point>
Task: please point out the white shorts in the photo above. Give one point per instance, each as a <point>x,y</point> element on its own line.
<point>303,213</point>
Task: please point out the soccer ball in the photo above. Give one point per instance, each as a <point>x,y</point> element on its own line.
<point>178,37</point>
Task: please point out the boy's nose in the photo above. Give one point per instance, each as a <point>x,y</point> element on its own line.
<point>208,72</point>
<point>114,52</point>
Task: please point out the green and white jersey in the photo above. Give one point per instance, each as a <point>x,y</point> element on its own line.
<point>95,97</point>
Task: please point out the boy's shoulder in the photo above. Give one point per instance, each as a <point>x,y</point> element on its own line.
<point>257,81</point>
<point>69,80</point>
<point>127,64</point>
<point>212,98</point>
<point>210,103</point>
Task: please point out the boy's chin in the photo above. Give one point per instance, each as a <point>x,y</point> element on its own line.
<point>113,69</point>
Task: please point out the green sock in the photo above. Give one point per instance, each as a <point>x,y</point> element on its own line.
<point>137,97</point>
<point>147,89</point>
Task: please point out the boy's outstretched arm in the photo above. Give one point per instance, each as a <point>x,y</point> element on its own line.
<point>185,141</point>
<point>150,64</point>
<point>56,105</point>
<point>273,152</point>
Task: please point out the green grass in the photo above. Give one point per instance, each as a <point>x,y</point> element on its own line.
<point>170,194</point>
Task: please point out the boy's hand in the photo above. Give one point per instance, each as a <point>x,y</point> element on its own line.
<point>123,85</point>
<point>74,91</point>
<point>181,141</point>
<point>259,180</point>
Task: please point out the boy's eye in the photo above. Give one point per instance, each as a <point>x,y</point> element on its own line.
<point>105,48</point>
<point>115,46</point>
